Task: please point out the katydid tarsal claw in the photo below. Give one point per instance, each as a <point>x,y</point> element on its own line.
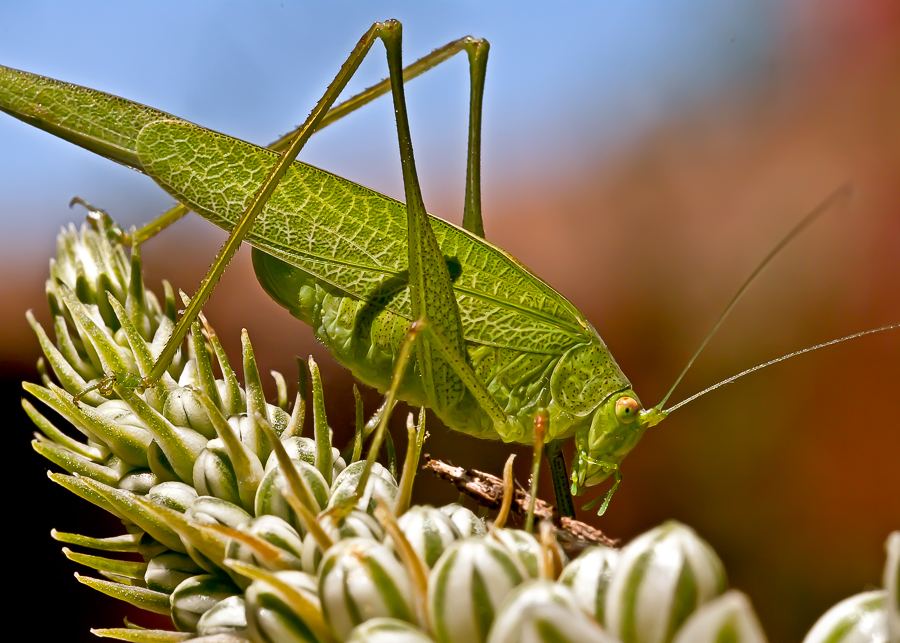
<point>497,346</point>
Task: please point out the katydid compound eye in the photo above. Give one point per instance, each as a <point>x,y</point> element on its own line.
<point>627,409</point>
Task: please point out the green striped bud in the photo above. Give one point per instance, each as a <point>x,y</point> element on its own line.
<point>387,630</point>
<point>168,570</point>
<point>210,510</point>
<point>357,524</point>
<point>214,474</point>
<point>248,432</point>
<point>183,408</point>
<point>274,531</point>
<point>859,619</point>
<point>892,585</point>
<point>195,596</point>
<point>465,520</point>
<point>541,610</point>
<point>360,579</point>
<point>225,617</point>
<point>174,495</point>
<point>467,586</point>
<point>429,532</point>
<point>588,577</point>
<point>523,545</point>
<point>381,483</point>
<point>270,495</point>
<point>270,619</point>
<point>139,481</point>
<point>304,449</point>
<point>662,577</point>
<point>729,617</point>
<point>119,412</point>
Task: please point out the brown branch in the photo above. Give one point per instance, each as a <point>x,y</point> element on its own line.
<point>487,490</point>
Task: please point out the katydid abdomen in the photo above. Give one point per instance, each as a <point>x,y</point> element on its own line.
<point>366,338</point>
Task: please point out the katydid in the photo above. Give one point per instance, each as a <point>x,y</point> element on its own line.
<point>497,346</point>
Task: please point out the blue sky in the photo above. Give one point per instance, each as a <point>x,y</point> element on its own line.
<point>567,81</point>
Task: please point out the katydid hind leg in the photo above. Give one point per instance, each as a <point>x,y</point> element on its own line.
<point>259,200</point>
<point>431,291</point>
<point>440,348</point>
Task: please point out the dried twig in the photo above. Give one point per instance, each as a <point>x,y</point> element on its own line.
<point>487,490</point>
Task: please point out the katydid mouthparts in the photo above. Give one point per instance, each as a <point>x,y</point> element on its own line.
<point>497,346</point>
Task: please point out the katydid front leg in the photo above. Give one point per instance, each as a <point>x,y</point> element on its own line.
<point>477,50</point>
<point>259,200</point>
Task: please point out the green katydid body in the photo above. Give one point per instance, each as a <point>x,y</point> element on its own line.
<point>334,254</point>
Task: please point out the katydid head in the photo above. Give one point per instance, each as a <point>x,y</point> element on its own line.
<point>616,427</point>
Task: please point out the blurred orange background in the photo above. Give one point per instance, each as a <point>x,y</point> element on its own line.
<point>791,474</point>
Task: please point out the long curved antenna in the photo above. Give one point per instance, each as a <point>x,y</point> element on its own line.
<point>841,194</point>
<point>781,359</point>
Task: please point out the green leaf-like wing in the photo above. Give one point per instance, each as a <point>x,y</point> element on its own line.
<point>341,232</point>
<point>355,238</point>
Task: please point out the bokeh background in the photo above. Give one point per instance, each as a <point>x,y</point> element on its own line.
<point>641,157</point>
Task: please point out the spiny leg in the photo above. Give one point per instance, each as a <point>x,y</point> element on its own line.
<point>261,197</point>
<point>477,51</point>
<point>431,291</point>
<point>440,348</point>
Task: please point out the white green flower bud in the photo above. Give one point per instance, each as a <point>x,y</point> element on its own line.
<point>270,618</point>
<point>225,617</point>
<point>523,545</point>
<point>299,448</point>
<point>730,617</point>
<point>357,524</point>
<point>270,494</point>
<point>662,577</point>
<point>387,630</point>
<point>466,587</point>
<point>208,509</point>
<point>195,596</point>
<point>214,474</point>
<point>168,570</point>
<point>174,495</point>
<point>360,579</point>
<point>274,531</point>
<point>544,611</point>
<point>467,523</point>
<point>429,532</point>
<point>183,408</point>
<point>588,577</point>
<point>859,619</point>
<point>120,413</point>
<point>381,484</point>
<point>174,449</point>
<point>140,481</point>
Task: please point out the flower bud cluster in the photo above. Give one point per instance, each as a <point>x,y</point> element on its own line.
<point>248,531</point>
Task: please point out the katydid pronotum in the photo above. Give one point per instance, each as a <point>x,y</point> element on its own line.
<point>497,347</point>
